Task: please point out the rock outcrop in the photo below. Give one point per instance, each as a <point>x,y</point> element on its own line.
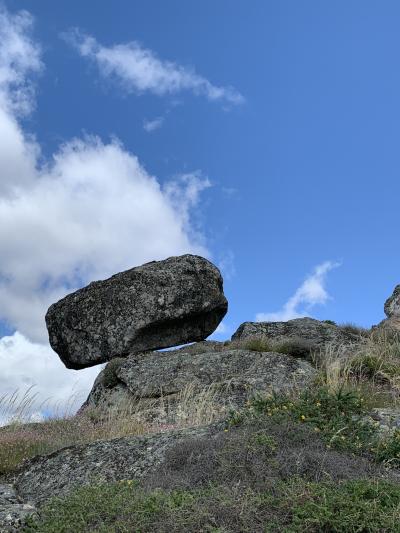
<point>313,333</point>
<point>392,304</point>
<point>392,311</point>
<point>13,510</point>
<point>158,381</point>
<point>56,474</point>
<point>157,305</point>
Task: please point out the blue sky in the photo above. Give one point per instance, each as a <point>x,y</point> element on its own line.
<point>263,134</point>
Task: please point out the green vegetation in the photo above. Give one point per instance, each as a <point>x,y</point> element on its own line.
<point>371,368</point>
<point>350,327</point>
<point>296,346</point>
<point>340,418</point>
<point>307,461</point>
<point>296,506</point>
<point>274,468</point>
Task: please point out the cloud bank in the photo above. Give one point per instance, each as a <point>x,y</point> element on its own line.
<point>310,293</point>
<point>89,211</point>
<point>139,70</point>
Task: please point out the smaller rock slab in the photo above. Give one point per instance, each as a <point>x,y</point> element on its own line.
<point>316,333</point>
<point>157,379</point>
<point>127,458</point>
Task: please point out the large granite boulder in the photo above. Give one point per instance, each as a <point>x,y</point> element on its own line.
<point>310,332</point>
<point>156,305</point>
<point>161,384</point>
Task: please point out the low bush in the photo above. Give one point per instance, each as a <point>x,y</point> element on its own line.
<point>294,507</point>
<point>388,450</point>
<point>257,344</point>
<point>350,327</point>
<point>296,346</point>
<point>339,417</point>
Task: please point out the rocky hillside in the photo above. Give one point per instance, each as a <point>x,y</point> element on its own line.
<point>287,426</point>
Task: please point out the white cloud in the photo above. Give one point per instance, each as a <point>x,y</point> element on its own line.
<point>88,212</point>
<point>138,69</point>
<point>32,370</point>
<point>153,125</point>
<point>310,293</point>
<point>19,55</point>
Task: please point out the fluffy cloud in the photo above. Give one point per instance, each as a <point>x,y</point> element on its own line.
<point>138,69</point>
<point>88,212</point>
<point>92,212</point>
<point>36,374</point>
<point>310,293</point>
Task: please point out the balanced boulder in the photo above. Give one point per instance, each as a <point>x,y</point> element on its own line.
<point>156,305</point>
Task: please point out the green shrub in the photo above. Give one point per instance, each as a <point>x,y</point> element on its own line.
<point>331,322</point>
<point>339,417</point>
<point>388,450</point>
<point>258,344</point>
<point>354,506</point>
<point>296,346</point>
<point>293,507</point>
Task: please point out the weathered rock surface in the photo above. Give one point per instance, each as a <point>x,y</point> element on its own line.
<point>159,379</point>
<point>392,304</point>
<point>317,334</point>
<point>391,324</point>
<point>388,418</point>
<point>13,511</point>
<point>156,305</point>
<point>56,474</point>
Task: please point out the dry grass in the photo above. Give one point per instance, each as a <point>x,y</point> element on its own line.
<point>197,408</point>
<point>350,327</point>
<point>20,440</point>
<point>372,368</point>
